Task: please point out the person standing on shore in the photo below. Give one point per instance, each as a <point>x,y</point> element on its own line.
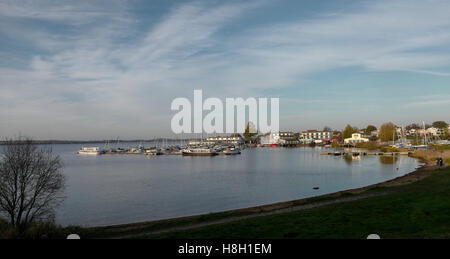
<point>439,162</point>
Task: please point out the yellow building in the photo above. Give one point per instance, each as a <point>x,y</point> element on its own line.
<point>356,138</point>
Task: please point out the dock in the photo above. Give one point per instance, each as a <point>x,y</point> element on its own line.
<point>142,153</point>
<point>364,153</point>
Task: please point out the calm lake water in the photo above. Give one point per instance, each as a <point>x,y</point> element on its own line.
<point>117,189</point>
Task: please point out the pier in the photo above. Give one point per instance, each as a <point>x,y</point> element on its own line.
<point>364,153</point>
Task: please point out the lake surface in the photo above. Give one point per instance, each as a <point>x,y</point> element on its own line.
<point>117,189</point>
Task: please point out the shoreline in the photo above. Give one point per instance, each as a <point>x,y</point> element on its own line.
<point>194,221</point>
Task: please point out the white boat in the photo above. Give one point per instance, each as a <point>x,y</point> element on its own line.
<point>420,147</point>
<point>153,152</point>
<point>89,151</point>
<point>232,151</point>
<point>198,152</point>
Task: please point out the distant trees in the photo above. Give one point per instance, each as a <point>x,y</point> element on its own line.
<point>387,132</point>
<point>440,124</point>
<point>326,128</point>
<point>338,136</point>
<point>250,131</point>
<point>348,131</point>
<point>369,129</point>
<point>437,124</point>
<point>31,183</point>
<point>413,126</point>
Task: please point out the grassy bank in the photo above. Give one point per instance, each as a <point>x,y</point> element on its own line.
<point>417,210</point>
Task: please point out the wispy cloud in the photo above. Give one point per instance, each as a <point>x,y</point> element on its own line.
<point>429,101</point>
<point>74,12</point>
<point>102,69</point>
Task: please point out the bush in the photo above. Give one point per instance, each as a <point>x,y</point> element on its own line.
<point>432,155</point>
<point>43,230</point>
<point>6,230</point>
<point>335,145</point>
<point>389,149</point>
<point>372,145</point>
<point>440,147</point>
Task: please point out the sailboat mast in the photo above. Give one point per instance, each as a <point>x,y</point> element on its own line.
<point>424,133</point>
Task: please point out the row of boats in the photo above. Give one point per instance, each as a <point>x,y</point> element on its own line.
<point>173,150</point>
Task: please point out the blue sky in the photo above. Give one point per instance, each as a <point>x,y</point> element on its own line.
<point>101,69</point>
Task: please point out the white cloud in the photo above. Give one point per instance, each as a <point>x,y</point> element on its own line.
<point>94,78</point>
<point>75,12</point>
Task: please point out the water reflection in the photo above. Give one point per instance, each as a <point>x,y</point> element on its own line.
<point>388,160</point>
<point>350,159</point>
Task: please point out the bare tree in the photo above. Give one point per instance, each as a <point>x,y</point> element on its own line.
<point>31,183</point>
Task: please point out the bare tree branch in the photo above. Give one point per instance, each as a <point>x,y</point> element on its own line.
<point>31,183</point>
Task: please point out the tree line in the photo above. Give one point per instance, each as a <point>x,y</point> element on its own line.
<point>388,131</point>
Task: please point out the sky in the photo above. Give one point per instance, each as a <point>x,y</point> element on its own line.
<point>100,69</point>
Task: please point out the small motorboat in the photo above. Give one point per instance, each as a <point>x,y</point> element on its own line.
<point>232,151</point>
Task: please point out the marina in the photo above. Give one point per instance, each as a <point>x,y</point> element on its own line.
<point>192,149</point>
<point>117,189</point>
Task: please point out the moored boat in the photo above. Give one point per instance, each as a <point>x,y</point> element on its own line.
<point>153,152</point>
<point>232,151</point>
<point>89,151</point>
<point>198,152</point>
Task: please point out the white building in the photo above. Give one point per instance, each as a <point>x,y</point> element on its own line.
<point>411,132</point>
<point>356,138</point>
<point>283,138</point>
<point>270,139</point>
<point>236,140</point>
<point>374,133</point>
<point>310,136</point>
<point>435,131</point>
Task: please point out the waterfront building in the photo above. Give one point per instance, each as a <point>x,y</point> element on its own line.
<point>435,131</point>
<point>288,138</point>
<point>374,133</point>
<point>310,136</point>
<point>411,132</point>
<point>234,139</point>
<point>356,138</point>
<point>421,132</point>
<point>279,138</point>
<point>269,139</point>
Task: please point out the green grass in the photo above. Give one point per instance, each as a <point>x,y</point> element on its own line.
<point>417,210</point>
<point>112,231</point>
